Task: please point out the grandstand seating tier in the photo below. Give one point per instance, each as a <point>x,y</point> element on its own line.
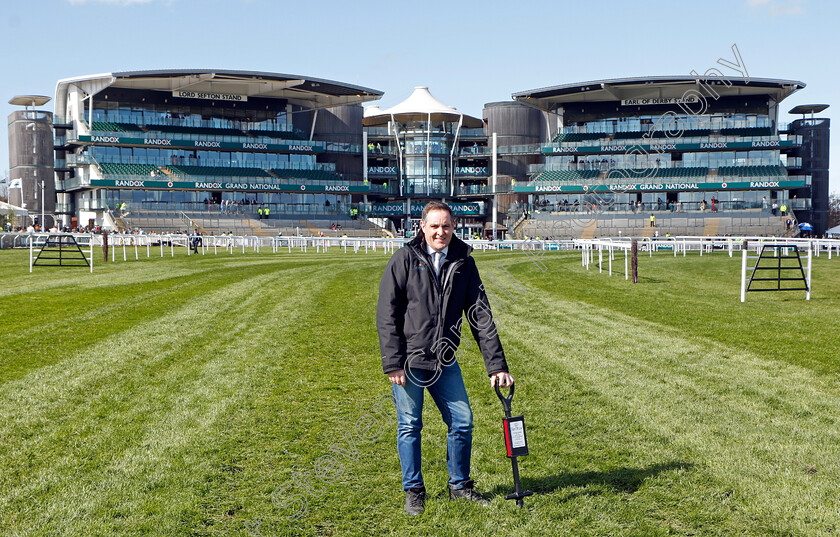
<point>571,225</point>
<point>317,175</point>
<point>109,168</point>
<point>692,173</point>
<point>218,171</point>
<point>566,175</point>
<point>752,171</point>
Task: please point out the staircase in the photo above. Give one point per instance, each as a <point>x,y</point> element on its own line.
<point>257,228</point>
<point>193,224</point>
<point>711,227</point>
<point>312,229</point>
<point>590,229</point>
<point>515,231</point>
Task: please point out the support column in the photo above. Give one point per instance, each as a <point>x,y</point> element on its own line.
<point>493,186</point>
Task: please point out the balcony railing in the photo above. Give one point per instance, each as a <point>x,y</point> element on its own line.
<point>79,159</point>
<point>381,150</point>
<point>478,150</point>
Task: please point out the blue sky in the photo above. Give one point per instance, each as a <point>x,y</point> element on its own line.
<point>468,53</point>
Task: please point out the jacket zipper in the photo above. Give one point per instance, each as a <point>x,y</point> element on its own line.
<point>442,291</point>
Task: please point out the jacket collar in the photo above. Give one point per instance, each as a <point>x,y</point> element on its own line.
<point>458,249</point>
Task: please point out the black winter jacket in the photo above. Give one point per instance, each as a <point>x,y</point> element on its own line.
<point>419,317</point>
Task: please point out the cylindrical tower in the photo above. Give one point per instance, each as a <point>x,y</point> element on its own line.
<point>814,153</point>
<point>514,124</point>
<point>31,163</point>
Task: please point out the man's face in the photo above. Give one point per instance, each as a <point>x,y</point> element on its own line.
<point>438,228</point>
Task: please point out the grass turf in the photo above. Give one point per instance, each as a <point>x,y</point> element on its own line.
<point>173,396</point>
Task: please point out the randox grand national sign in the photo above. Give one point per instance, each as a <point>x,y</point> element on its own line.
<point>158,184</point>
<point>659,187</point>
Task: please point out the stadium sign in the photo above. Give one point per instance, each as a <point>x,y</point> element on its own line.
<point>225,185</point>
<point>559,149</point>
<point>210,96</point>
<point>398,209</point>
<point>659,187</point>
<point>390,170</point>
<point>192,144</point>
<point>659,100</point>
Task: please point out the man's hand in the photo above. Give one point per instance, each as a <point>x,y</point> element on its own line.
<point>397,377</point>
<point>501,379</point>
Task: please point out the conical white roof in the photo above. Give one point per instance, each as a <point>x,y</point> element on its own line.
<point>372,110</point>
<point>419,105</point>
<point>421,102</point>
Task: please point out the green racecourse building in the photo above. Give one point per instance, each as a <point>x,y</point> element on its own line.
<point>703,156</point>
<point>168,148</point>
<point>193,142</point>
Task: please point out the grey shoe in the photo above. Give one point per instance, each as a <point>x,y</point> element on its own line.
<point>415,500</point>
<point>468,493</point>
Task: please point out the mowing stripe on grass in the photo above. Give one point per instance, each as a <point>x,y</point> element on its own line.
<point>765,428</point>
<point>133,414</point>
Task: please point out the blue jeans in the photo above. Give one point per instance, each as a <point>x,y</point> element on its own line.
<point>450,395</point>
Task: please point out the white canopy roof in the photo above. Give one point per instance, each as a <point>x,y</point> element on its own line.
<point>8,208</point>
<point>373,110</point>
<point>418,107</point>
<point>833,231</point>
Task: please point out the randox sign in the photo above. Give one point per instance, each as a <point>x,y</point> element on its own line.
<point>471,170</point>
<point>398,209</point>
<point>203,144</point>
<point>659,146</point>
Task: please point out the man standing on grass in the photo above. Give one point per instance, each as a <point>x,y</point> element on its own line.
<point>426,288</point>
